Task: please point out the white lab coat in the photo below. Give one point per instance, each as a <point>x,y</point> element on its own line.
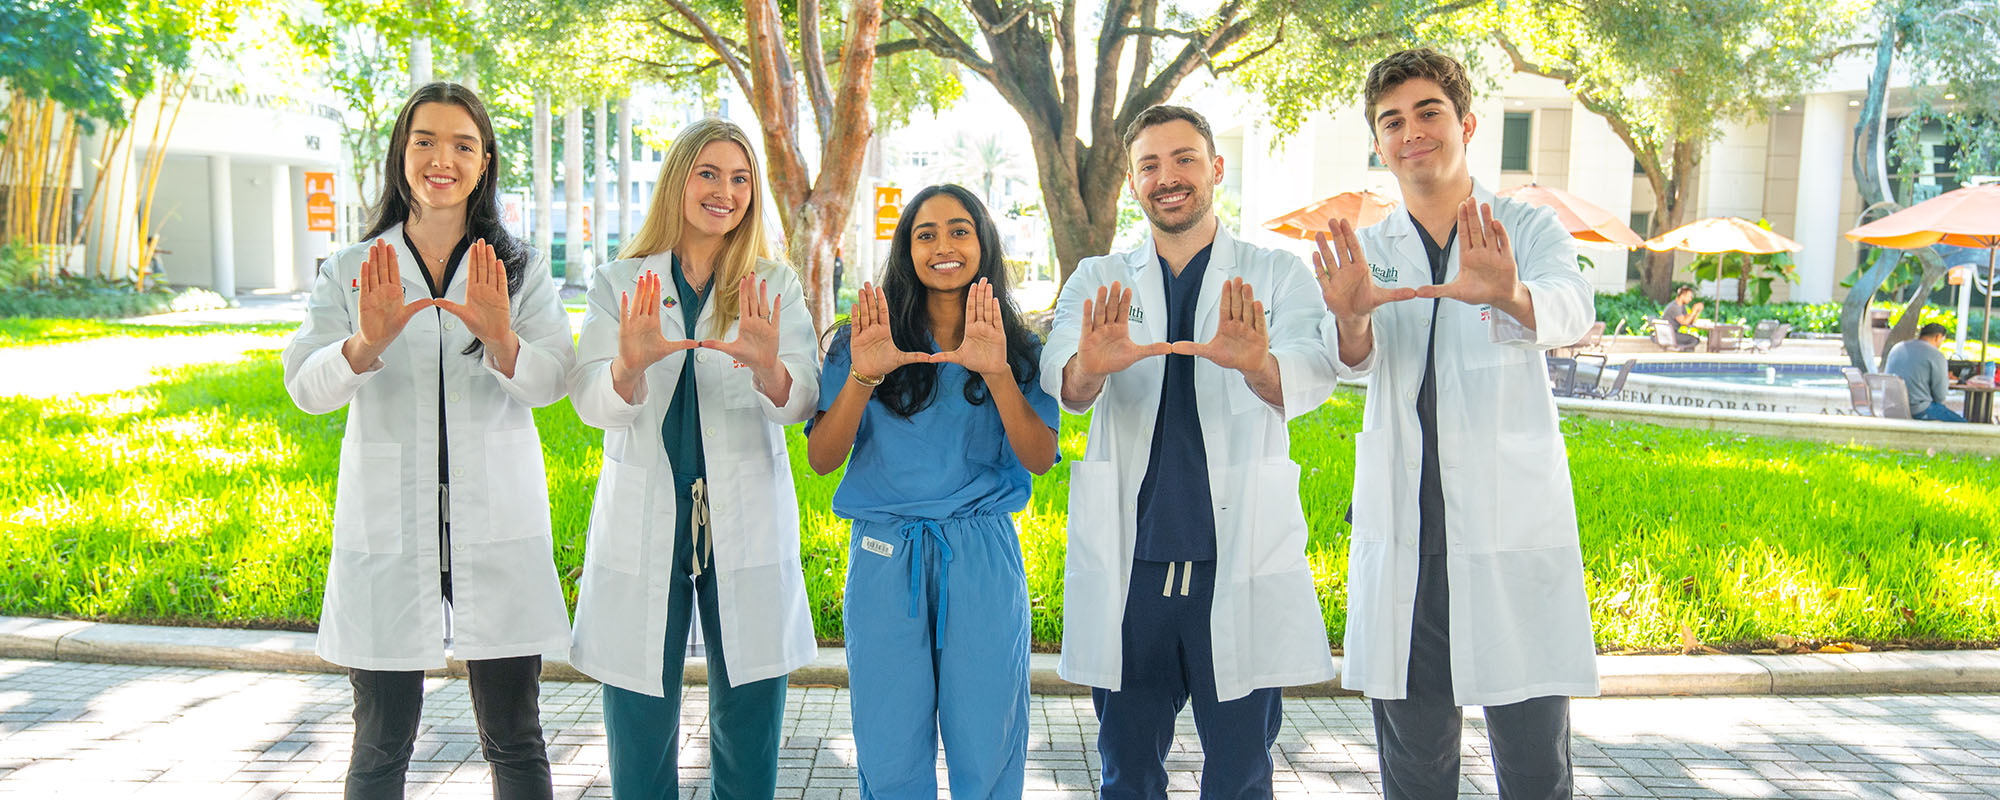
<point>383,608</point>
<point>621,607</point>
<point>1520,623</point>
<point>1265,622</point>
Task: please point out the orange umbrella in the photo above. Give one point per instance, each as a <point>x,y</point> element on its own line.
<point>1583,219</point>
<point>1967,217</point>
<point>1724,235</point>
<point>1362,209</point>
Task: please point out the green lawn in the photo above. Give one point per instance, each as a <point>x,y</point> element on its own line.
<point>31,331</point>
<point>206,498</point>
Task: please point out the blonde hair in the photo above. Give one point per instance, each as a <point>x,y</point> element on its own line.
<point>661,231</point>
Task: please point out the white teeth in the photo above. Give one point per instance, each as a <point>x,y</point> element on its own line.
<point>716,209</point>
<point>948,265</point>
<point>1174,198</point>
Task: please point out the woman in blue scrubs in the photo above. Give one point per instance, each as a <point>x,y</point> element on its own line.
<point>932,386</point>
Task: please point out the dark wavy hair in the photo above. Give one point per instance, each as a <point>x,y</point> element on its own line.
<point>910,388</point>
<point>482,210</point>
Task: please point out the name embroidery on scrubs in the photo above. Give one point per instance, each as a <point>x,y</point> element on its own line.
<point>877,546</point>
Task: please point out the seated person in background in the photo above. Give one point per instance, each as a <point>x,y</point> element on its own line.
<point>1921,364</point>
<point>1683,316</point>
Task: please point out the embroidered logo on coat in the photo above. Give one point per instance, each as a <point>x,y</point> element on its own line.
<point>1135,315</point>
<point>670,302</point>
<point>877,546</point>
<point>1385,274</point>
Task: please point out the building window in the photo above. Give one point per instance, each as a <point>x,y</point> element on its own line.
<point>1515,141</point>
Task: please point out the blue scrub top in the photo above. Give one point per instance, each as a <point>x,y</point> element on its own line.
<point>949,460</point>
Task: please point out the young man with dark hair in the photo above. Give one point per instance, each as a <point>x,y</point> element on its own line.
<point>1920,362</point>
<point>1682,315</point>
<point>1186,576</point>
<point>1465,575</point>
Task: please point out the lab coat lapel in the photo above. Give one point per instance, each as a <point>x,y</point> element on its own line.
<point>1149,293</point>
<point>1221,267</point>
<point>662,264</point>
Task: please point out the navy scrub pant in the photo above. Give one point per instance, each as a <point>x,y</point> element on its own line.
<point>1168,660</point>
<point>1419,735</point>
<point>642,732</point>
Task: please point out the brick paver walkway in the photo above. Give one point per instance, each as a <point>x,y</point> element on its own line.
<point>89,730</point>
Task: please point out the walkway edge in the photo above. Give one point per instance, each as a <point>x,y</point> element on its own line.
<point>1935,671</point>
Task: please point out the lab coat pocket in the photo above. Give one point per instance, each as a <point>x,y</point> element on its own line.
<point>368,498</point>
<point>1279,534</point>
<point>618,518</point>
<point>1095,526</point>
<point>1374,501</point>
<point>754,523</point>
<point>517,489</point>
<point>1532,500</point>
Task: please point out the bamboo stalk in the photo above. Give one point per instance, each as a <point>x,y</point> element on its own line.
<point>38,137</point>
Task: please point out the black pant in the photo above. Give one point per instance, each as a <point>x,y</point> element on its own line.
<point>1419,735</point>
<point>505,701</point>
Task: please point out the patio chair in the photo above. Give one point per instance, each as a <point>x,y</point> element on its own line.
<point>1592,341</point>
<point>1858,396</point>
<point>1617,385</point>
<point>1890,397</point>
<point>1769,335</point>
<point>1590,369</point>
<point>1663,335</point>
<point>1562,376</point>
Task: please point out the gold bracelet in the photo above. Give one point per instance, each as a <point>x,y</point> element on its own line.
<point>863,379</point>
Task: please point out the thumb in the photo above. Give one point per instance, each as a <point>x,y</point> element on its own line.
<point>1437,291</point>
<point>1188,348</point>
<point>412,309</point>
<point>950,357</point>
<point>1156,349</point>
<point>449,307</point>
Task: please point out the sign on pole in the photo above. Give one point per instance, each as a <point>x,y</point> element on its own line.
<point>888,207</point>
<point>319,201</point>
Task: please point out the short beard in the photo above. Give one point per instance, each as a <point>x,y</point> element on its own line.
<point>1197,211</point>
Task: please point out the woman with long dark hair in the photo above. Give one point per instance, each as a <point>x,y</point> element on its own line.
<point>933,387</point>
<point>439,333</point>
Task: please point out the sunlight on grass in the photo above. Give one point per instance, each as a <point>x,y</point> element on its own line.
<point>206,498</point>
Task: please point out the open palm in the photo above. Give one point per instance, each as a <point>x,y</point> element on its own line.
<point>1107,346</point>
<point>984,346</point>
<point>871,344</point>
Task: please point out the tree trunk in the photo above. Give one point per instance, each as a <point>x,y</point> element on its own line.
<point>1673,196</point>
<point>575,252</point>
<point>542,171</point>
<point>420,62</point>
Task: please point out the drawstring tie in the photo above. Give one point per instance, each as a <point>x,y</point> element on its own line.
<point>704,546</point>
<point>914,534</point>
<point>1187,573</point>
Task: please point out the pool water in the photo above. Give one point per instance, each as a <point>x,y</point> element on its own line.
<point>1806,376</point>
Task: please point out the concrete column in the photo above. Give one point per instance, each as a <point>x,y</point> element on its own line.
<point>221,228</point>
<point>111,245</point>
<point>278,189</point>
<point>307,246</point>
<point>1822,157</point>
<point>625,188</point>
<point>600,175</point>
<point>575,253</point>
<point>542,170</point>
<point>1599,170</point>
<point>420,62</point>
<point>1482,154</point>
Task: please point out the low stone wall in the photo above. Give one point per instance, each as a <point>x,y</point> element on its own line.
<point>1660,390</point>
<point>1890,434</point>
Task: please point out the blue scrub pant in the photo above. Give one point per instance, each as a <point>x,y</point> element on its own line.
<point>1168,659</point>
<point>937,642</point>
<point>642,732</point>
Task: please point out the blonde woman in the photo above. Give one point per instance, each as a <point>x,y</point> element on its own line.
<point>696,351</point>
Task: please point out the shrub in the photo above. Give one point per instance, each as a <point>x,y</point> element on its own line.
<point>77,297</point>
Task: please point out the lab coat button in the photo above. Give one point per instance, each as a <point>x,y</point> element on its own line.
<point>450,325</point>
<point>455,397</point>
<point>709,431</point>
<point>458,472</point>
<point>1410,463</point>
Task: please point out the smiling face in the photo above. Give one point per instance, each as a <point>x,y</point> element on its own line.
<point>1419,135</point>
<point>1174,176</point>
<point>718,190</point>
<point>444,159</point>
<point>944,245</point>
